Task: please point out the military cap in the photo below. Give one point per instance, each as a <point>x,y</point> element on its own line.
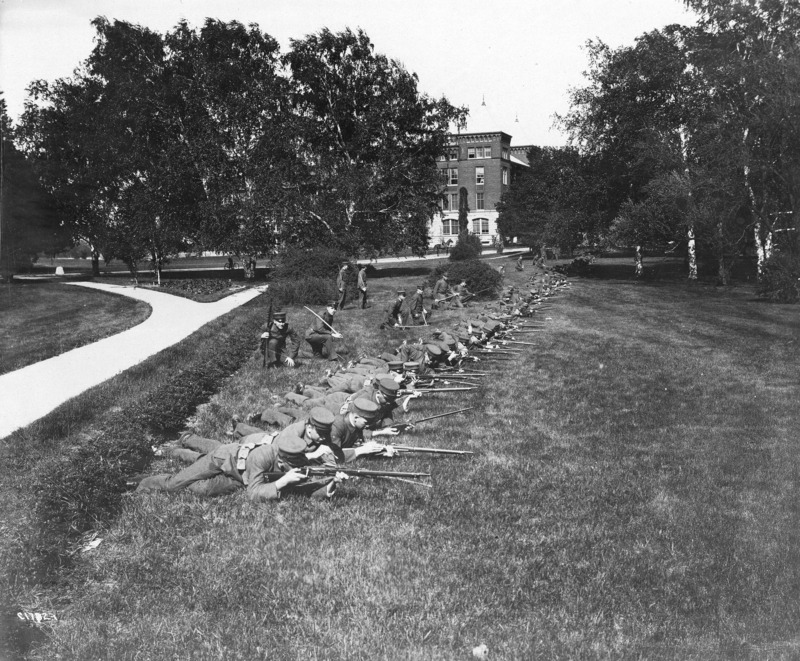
<point>445,276</point>
<point>279,316</point>
<point>291,448</point>
<point>395,365</point>
<point>401,292</point>
<point>321,419</point>
<point>420,287</point>
<point>365,408</point>
<point>411,366</point>
<point>332,304</point>
<point>388,387</point>
<point>433,349</point>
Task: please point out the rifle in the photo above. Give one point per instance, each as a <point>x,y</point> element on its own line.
<point>530,344</point>
<point>403,426</point>
<point>408,392</point>
<point>311,471</point>
<point>407,448</point>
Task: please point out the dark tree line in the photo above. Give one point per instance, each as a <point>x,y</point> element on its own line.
<point>212,139</point>
<point>691,136</point>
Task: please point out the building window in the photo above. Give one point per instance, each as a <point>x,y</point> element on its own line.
<point>480,226</point>
<point>506,153</point>
<point>454,201</point>
<point>471,153</point>
<point>486,152</point>
<point>479,175</point>
<point>454,154</point>
<point>479,201</point>
<point>505,176</point>
<point>452,176</point>
<point>449,226</point>
<point>445,200</point>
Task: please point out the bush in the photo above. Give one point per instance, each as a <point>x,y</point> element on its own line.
<point>780,281</point>
<point>311,263</point>
<point>479,275</point>
<point>308,276</point>
<point>303,291</point>
<point>468,246</point>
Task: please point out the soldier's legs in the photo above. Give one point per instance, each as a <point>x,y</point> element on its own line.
<point>199,444</point>
<point>318,343</point>
<point>363,298</point>
<point>275,353</point>
<point>242,429</point>
<point>204,468</point>
<point>221,485</point>
<point>456,300</point>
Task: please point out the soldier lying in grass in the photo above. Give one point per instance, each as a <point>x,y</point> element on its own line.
<point>233,466</point>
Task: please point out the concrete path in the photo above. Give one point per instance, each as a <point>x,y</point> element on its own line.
<point>31,392</point>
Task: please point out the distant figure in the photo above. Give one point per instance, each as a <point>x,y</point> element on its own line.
<point>501,270</point>
<point>519,266</point>
<point>362,285</point>
<point>448,245</point>
<point>438,248</point>
<point>341,287</point>
<point>230,262</point>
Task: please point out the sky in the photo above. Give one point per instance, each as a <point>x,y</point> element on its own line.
<point>519,57</point>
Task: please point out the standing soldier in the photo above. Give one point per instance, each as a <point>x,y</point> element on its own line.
<point>394,315</point>
<point>416,307</point>
<point>362,285</point>
<point>341,287</point>
<point>440,290</point>
<point>321,334</point>
<point>276,338</point>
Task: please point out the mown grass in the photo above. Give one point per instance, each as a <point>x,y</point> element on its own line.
<point>40,321</point>
<point>633,494</point>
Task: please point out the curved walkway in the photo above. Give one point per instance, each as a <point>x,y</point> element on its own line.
<point>33,391</point>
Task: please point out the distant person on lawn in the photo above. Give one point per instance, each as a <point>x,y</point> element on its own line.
<point>341,287</point>
<point>362,285</point>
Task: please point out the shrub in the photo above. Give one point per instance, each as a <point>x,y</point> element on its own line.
<point>468,246</point>
<point>479,275</point>
<point>308,276</point>
<point>303,291</point>
<point>311,263</point>
<point>780,281</point>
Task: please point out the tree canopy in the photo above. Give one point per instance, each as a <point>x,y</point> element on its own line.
<point>211,139</point>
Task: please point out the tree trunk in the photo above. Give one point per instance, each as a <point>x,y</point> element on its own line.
<point>692,249</point>
<point>639,265</point>
<point>692,252</point>
<point>723,271</point>
<point>95,262</point>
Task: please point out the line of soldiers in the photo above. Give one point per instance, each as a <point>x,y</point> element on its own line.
<point>326,426</point>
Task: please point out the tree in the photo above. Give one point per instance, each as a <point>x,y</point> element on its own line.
<point>29,222</point>
<point>554,202</point>
<point>367,142</point>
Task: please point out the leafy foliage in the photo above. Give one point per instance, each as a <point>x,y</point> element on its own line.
<point>30,222</point>
<point>317,262</point>
<point>468,246</point>
<point>480,277</point>
<point>307,290</point>
<point>780,281</point>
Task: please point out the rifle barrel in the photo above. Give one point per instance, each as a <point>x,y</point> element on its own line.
<point>408,448</point>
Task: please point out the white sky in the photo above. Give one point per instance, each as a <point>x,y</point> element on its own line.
<point>521,55</point>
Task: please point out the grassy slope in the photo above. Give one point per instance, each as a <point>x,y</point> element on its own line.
<point>44,320</point>
<point>633,493</point>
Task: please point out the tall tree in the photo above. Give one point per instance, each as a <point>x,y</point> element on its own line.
<point>368,143</point>
<point>29,221</point>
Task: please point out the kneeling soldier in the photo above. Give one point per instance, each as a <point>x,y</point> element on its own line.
<point>321,334</point>
<point>276,337</point>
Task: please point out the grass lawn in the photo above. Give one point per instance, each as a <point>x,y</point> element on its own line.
<point>38,321</point>
<point>633,494</point>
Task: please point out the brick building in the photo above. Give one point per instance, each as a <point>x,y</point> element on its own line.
<point>481,165</point>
